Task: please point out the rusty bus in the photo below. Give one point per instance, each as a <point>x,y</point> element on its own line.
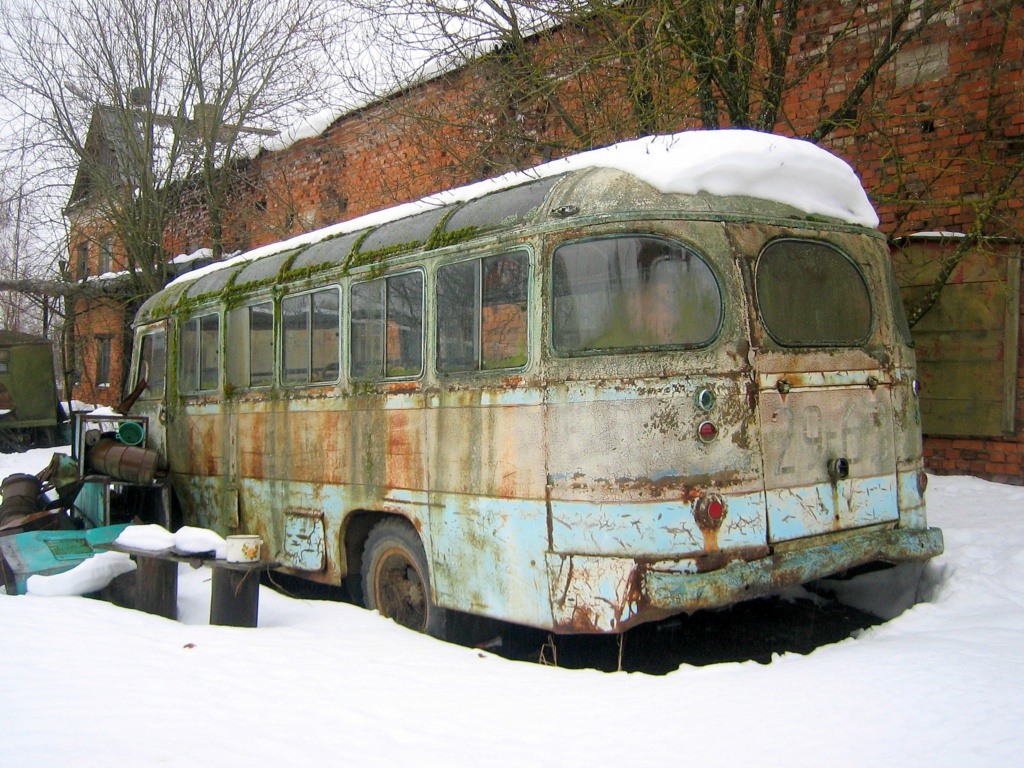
<point>575,400</point>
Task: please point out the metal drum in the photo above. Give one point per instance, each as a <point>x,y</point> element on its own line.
<point>124,462</point>
<point>22,496</point>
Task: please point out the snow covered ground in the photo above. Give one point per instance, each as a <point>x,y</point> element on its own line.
<point>84,683</point>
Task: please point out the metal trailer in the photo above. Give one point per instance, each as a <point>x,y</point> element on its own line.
<point>29,408</point>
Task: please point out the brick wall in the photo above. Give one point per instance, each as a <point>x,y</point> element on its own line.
<point>928,142</point>
<point>929,139</point>
<point>99,335</point>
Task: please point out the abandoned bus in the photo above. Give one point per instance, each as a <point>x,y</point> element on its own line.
<point>668,375</point>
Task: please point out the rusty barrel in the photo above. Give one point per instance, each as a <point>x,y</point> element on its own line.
<point>23,495</point>
<point>124,462</point>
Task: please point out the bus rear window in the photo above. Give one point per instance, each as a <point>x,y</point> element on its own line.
<point>811,294</point>
<point>624,293</point>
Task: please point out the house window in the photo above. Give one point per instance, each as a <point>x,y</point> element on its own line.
<point>103,345</point>
<point>106,255</point>
<point>82,259</point>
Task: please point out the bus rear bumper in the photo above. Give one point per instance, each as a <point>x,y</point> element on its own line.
<point>668,591</point>
<point>594,594</point>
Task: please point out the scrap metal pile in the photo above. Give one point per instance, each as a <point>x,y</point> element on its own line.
<point>48,520</point>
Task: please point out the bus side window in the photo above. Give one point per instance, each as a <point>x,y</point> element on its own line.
<point>250,345</point>
<point>311,331</point>
<point>481,323</point>
<point>261,344</point>
<point>153,363</point>
<point>199,356</point>
<point>632,292</point>
<point>386,317</point>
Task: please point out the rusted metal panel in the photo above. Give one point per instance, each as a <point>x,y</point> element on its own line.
<point>637,440</point>
<point>487,442</point>
<point>488,556</point>
<point>807,511</point>
<point>910,487</point>
<point>304,546</point>
<point>805,429</point>
<point>593,594</point>
<point>676,590</point>
<point>656,529</point>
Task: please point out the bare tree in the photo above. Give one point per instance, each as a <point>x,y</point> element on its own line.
<point>600,70</point>
<point>29,247</point>
<point>148,103</point>
<point>164,89</point>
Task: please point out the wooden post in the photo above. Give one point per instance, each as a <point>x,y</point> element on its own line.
<point>235,596</point>
<point>156,586</point>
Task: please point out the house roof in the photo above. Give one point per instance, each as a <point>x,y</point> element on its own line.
<point>106,144</point>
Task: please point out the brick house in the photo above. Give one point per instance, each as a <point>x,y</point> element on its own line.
<point>944,118</point>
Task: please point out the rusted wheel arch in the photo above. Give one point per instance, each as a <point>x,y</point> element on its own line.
<point>354,532</point>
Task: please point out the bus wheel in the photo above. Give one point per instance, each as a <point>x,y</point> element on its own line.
<point>396,581</point>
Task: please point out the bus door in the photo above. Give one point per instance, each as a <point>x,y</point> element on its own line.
<point>151,382</point>
<point>149,397</point>
<point>825,404</point>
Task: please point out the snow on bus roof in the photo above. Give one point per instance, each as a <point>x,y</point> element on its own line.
<point>720,162</point>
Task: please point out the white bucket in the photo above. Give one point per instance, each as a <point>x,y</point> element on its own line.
<point>244,548</point>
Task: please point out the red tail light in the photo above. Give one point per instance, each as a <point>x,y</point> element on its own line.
<point>716,509</point>
<point>709,511</point>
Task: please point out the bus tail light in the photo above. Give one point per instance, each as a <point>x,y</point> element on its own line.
<point>709,511</point>
<point>922,482</point>
<point>707,432</point>
<point>716,509</point>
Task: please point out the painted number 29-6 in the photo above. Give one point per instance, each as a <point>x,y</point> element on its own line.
<point>808,437</point>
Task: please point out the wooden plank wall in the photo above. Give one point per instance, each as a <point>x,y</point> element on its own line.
<point>967,344</point>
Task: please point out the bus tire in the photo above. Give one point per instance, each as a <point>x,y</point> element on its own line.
<point>396,579</point>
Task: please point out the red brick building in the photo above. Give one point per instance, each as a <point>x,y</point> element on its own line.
<point>932,138</point>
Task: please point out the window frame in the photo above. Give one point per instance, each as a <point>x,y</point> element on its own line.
<point>478,337</point>
<point>104,360</point>
<point>147,334</point>
<point>383,376</point>
<point>198,317</point>
<point>308,294</point>
<point>271,373</point>
<point>860,271</point>
<point>105,263</point>
<point>639,349</point>
<point>82,259</point>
